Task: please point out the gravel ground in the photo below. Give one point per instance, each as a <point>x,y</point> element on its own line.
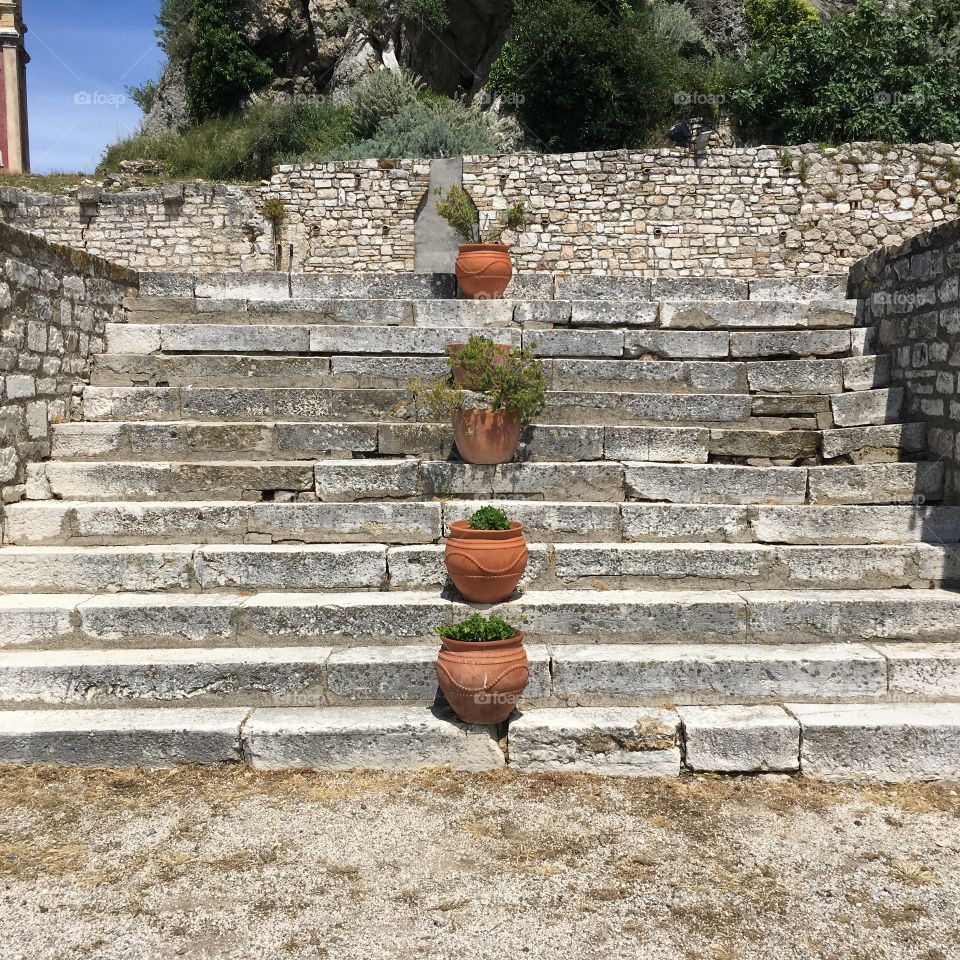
<point>230,863</point>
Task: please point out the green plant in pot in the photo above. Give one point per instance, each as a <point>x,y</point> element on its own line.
<point>487,422</point>
<point>483,267</point>
<point>482,668</point>
<point>486,556</point>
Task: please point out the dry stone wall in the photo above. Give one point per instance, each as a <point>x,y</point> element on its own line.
<point>187,227</point>
<point>737,212</point>
<point>54,303</point>
<point>913,296</point>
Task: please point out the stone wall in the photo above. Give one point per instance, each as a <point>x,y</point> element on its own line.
<point>746,212</point>
<point>913,296</point>
<point>54,303</point>
<point>176,227</point>
<point>739,213</point>
<point>352,218</point>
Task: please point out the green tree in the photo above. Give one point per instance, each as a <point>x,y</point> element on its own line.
<point>175,28</point>
<point>222,70</point>
<point>869,75</point>
<point>587,74</point>
<point>773,22</point>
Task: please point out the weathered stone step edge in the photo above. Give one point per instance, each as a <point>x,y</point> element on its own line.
<point>406,480</point>
<point>822,377</point>
<point>508,314</point>
<point>144,620</point>
<point>570,675</point>
<point>880,742</point>
<point>379,567</point>
<point>119,523</point>
<point>277,286</point>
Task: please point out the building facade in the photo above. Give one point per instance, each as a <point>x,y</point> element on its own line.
<point>14,138</point>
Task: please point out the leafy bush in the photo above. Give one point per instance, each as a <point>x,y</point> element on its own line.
<point>477,358</point>
<point>516,382</point>
<point>381,95</point>
<point>144,96</point>
<point>587,76</point>
<point>773,22</point>
<point>462,215</point>
<point>489,518</point>
<point>869,75</point>
<point>222,69</point>
<point>478,629</point>
<point>242,147</point>
<point>432,14</point>
<point>676,22</point>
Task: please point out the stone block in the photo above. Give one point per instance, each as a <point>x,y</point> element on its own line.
<point>685,523</point>
<point>630,742</point>
<point>28,620</point>
<point>349,481</point>
<point>796,376</point>
<point>352,738</point>
<point>234,338</point>
<point>867,407</point>
<point>886,742</point>
<point>799,345</point>
<point>715,484</point>
<point>923,671</point>
<point>676,344</point>
<point>574,343</point>
<point>122,738</point>
<point>132,338</point>
<point>897,483</point>
<point>658,444</point>
<point>739,739</point>
<point>613,313</point>
<point>872,441</point>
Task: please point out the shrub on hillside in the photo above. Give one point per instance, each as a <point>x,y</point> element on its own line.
<point>242,147</point>
<point>869,75</point>
<point>222,69</point>
<point>381,95</point>
<point>588,75</point>
<point>434,127</point>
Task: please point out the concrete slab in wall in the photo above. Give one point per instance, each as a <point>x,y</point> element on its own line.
<point>436,242</point>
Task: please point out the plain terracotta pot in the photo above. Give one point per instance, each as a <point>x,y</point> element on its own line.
<point>486,436</point>
<point>485,565</point>
<point>483,682</point>
<point>484,270</point>
<point>460,376</point>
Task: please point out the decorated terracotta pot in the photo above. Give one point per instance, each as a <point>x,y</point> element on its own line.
<point>484,270</point>
<point>486,436</point>
<point>485,565</point>
<point>483,682</point>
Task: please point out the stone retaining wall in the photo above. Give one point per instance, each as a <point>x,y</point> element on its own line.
<point>744,212</point>
<point>913,296</point>
<point>54,303</point>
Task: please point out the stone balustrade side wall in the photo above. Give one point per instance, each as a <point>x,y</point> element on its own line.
<point>54,303</point>
<point>912,295</point>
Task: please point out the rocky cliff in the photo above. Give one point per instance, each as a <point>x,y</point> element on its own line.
<point>321,46</point>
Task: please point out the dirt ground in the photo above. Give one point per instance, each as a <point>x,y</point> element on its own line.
<point>227,863</point>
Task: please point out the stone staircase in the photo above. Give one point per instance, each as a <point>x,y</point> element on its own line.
<point>739,561</point>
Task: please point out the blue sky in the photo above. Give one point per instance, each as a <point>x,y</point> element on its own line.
<point>83,56</point>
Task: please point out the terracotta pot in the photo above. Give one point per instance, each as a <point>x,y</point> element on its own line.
<point>484,270</point>
<point>486,436</point>
<point>460,376</point>
<point>485,565</point>
<point>483,682</point>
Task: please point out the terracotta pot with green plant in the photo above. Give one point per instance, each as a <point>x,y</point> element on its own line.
<point>482,668</point>
<point>486,556</point>
<point>510,390</point>
<point>483,267</point>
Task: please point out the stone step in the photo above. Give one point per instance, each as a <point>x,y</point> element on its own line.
<point>161,522</point>
<point>342,738</point>
<point>825,377</point>
<point>312,314</point>
<point>594,332</point>
<point>192,440</point>
<point>882,742</point>
<point>572,674</point>
<point>378,479</point>
<point>232,619</point>
<point>364,405</point>
<point>366,566</point>
<point>308,676</point>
